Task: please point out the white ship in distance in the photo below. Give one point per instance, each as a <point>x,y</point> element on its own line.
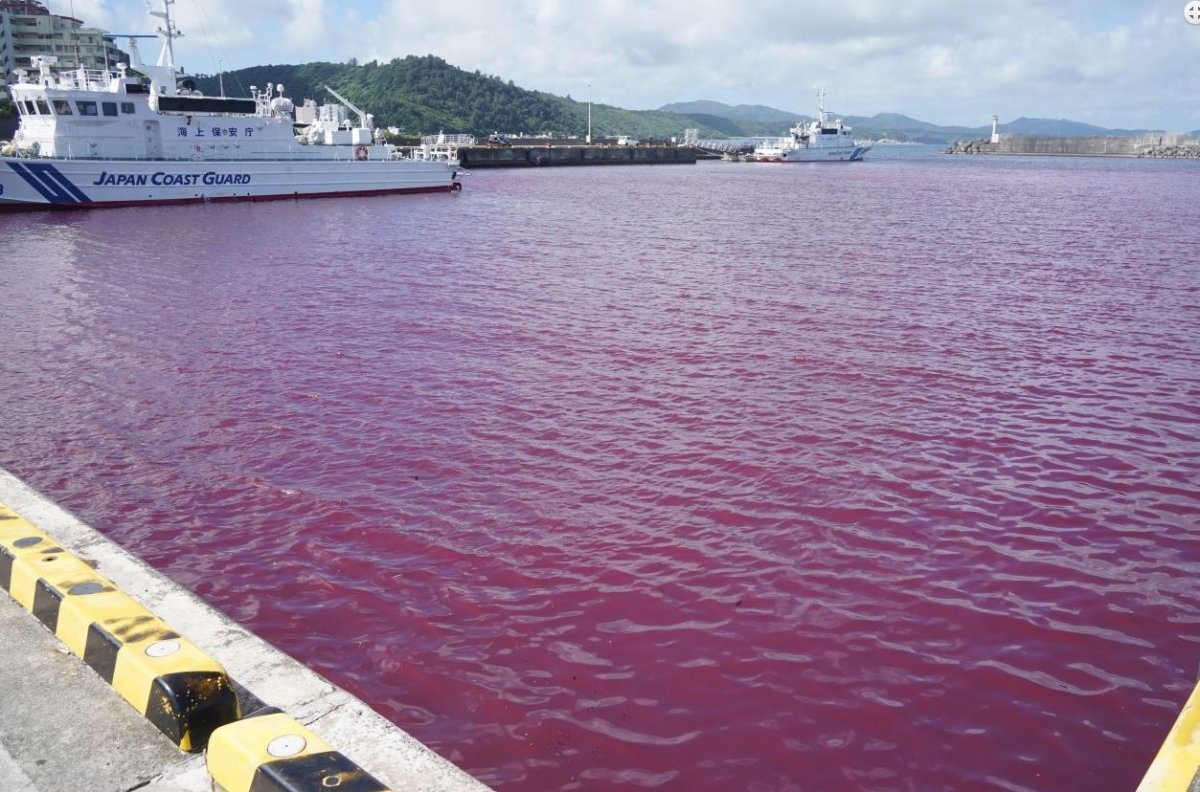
<point>826,139</point>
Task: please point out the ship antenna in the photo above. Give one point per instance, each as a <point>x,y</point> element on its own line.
<point>78,52</point>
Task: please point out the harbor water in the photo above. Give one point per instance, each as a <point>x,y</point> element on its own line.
<point>719,477</point>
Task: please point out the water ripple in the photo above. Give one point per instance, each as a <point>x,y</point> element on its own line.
<point>663,477</point>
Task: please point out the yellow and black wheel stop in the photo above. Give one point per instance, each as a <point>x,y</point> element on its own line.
<point>269,751</point>
<point>174,685</point>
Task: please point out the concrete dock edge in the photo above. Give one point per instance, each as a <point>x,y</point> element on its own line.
<point>1176,767</point>
<point>263,674</point>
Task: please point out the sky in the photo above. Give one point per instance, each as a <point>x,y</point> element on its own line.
<point>1115,63</point>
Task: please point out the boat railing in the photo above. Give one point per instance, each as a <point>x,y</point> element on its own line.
<point>460,141</point>
<point>86,80</point>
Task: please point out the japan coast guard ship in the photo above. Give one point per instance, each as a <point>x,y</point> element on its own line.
<point>92,139</point>
<point>824,140</point>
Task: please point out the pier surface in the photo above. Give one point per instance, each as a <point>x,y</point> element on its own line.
<point>62,727</point>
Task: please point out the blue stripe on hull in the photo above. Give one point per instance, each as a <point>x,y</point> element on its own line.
<point>50,183</point>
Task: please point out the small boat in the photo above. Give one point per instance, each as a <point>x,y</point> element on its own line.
<point>824,140</point>
<point>142,135</point>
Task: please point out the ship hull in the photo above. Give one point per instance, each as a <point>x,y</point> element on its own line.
<point>33,183</point>
<point>815,154</point>
<point>838,154</point>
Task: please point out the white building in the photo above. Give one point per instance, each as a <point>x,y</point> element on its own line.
<point>27,28</point>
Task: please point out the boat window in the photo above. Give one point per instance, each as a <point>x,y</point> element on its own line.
<point>109,108</point>
<point>28,107</point>
<point>62,107</point>
<point>127,108</point>
<point>87,108</point>
<point>43,108</point>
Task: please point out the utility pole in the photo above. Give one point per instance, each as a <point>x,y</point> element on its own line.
<point>589,137</point>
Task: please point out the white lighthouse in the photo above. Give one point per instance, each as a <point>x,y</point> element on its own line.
<point>995,130</point>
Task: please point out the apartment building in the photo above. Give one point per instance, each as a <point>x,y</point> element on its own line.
<point>27,28</point>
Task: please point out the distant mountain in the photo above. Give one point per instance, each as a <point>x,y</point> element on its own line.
<point>733,112</point>
<point>1064,128</point>
<point>1048,126</point>
<point>901,127</point>
<point>735,121</point>
<point>751,120</point>
<point>895,121</point>
<point>755,120</point>
<point>726,127</point>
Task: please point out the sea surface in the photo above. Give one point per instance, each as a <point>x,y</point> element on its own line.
<point>879,476</point>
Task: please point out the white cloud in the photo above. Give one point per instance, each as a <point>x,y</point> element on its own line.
<point>1110,62</point>
<point>306,23</point>
<point>938,63</point>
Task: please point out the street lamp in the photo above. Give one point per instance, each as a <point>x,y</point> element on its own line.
<point>589,137</point>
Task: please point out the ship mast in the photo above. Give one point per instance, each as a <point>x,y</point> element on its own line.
<point>163,75</point>
<point>168,33</point>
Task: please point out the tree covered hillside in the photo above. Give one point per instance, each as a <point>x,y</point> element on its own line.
<point>424,95</point>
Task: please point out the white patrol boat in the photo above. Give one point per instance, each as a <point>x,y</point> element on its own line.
<point>108,138</point>
<point>823,140</point>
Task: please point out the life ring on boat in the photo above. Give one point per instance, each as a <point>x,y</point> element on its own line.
<point>360,152</point>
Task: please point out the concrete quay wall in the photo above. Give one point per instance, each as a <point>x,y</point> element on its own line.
<point>1158,146</point>
<point>66,726</point>
<point>537,156</point>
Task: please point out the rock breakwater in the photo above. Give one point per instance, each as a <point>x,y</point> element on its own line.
<point>1172,152</point>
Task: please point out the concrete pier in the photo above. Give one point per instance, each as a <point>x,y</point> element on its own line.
<point>62,727</point>
<point>537,156</point>
<point>1146,146</point>
<point>1176,767</point>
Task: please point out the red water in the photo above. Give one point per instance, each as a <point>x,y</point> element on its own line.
<point>724,477</point>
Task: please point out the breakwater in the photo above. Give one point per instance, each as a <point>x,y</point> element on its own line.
<point>537,156</point>
<point>1155,146</point>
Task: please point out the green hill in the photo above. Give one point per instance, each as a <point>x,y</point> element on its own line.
<point>759,113</point>
<point>424,95</point>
